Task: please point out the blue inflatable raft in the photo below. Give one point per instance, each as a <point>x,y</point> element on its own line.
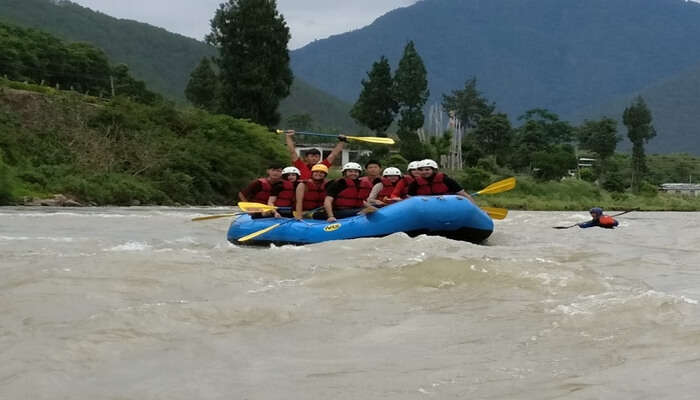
<point>450,216</point>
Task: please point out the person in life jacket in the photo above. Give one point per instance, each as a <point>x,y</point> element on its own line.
<point>401,188</point>
<point>259,190</point>
<point>381,191</point>
<point>310,193</point>
<point>431,182</point>
<point>311,156</point>
<point>599,219</point>
<point>283,192</point>
<point>346,196</point>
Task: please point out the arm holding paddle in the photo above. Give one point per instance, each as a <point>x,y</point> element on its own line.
<point>328,206</point>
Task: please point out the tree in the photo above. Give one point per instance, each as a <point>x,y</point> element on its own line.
<point>637,119</point>
<point>599,137</point>
<point>125,85</point>
<point>541,131</point>
<point>253,59</point>
<point>411,92</point>
<point>468,104</point>
<point>553,163</point>
<point>494,134</point>
<point>376,106</point>
<point>202,88</point>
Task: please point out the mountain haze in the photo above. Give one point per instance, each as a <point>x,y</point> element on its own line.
<point>556,54</point>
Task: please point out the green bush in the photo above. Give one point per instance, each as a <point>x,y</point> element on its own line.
<point>6,187</point>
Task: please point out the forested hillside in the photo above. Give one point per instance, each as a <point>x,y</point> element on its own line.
<point>556,54</point>
<point>162,59</point>
<point>676,110</point>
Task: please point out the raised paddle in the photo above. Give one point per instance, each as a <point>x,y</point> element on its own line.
<point>368,139</point>
<point>497,187</point>
<point>571,226</point>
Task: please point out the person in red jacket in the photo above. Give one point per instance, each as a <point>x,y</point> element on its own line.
<point>283,192</point>
<point>599,219</point>
<point>310,193</point>
<point>401,188</point>
<point>311,156</point>
<point>346,196</point>
<point>382,190</point>
<point>432,182</point>
<point>259,190</point>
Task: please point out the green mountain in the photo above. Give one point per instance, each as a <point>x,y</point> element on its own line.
<point>556,54</point>
<point>674,104</point>
<point>162,59</point>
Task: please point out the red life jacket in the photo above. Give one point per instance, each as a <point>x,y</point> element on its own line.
<point>285,198</point>
<point>354,194</point>
<point>434,186</point>
<point>314,194</point>
<point>401,188</point>
<point>606,221</point>
<point>387,189</point>
<point>264,194</point>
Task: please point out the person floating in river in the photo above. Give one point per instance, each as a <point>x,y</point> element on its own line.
<point>312,156</point>
<point>599,219</point>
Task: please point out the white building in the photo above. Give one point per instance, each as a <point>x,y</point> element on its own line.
<point>688,189</point>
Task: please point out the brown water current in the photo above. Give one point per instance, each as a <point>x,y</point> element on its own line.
<point>142,303</point>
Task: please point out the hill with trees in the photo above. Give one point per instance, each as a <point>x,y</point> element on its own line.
<point>552,54</point>
<point>163,60</point>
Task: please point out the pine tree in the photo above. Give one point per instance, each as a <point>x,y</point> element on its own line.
<point>637,119</point>
<point>376,106</point>
<point>411,92</point>
<point>468,104</point>
<point>253,59</point>
<point>202,89</point>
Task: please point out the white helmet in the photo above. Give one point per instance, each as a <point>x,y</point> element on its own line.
<point>291,170</point>
<point>413,165</point>
<point>351,165</point>
<point>428,163</point>
<point>391,171</point>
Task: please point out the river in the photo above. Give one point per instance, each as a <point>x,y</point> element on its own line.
<point>141,303</point>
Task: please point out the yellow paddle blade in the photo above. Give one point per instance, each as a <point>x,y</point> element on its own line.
<point>496,213</point>
<point>372,139</point>
<point>498,187</point>
<point>258,233</point>
<point>214,216</point>
<point>254,207</point>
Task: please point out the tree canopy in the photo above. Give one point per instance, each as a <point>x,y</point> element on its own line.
<point>376,106</point>
<point>253,59</point>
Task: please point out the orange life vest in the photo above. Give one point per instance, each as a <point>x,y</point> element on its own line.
<point>606,221</point>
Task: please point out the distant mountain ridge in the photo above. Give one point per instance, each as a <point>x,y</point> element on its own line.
<point>557,54</point>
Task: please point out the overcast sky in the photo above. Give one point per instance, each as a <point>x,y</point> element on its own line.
<point>307,19</point>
